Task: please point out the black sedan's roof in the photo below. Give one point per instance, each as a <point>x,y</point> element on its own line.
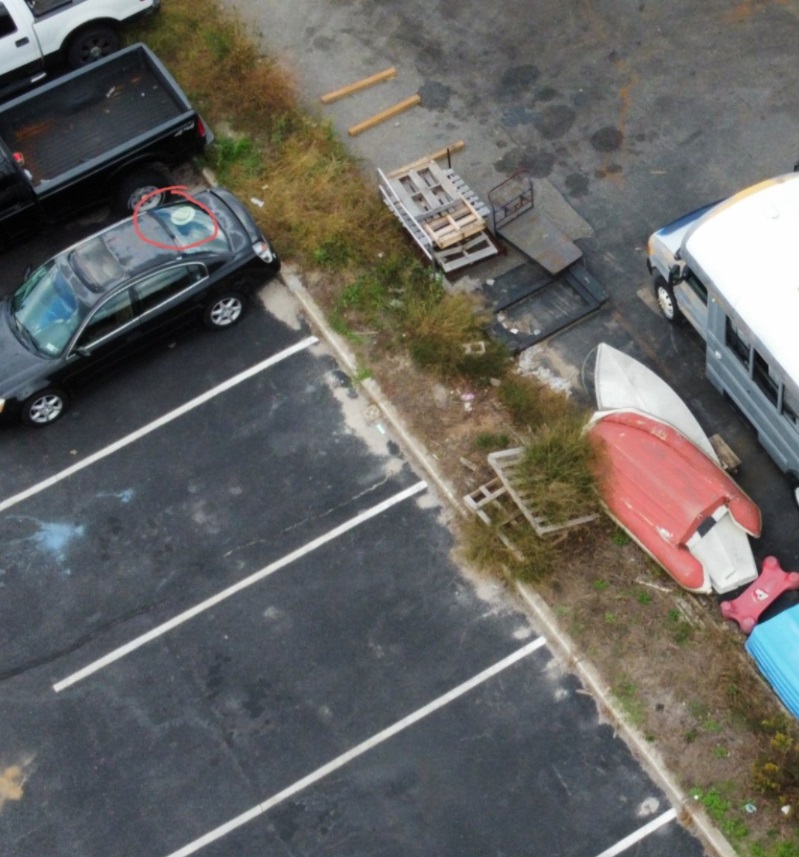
<point>152,239</point>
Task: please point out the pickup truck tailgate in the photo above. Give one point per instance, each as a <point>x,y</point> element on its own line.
<point>71,121</point>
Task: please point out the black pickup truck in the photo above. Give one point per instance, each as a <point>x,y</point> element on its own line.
<point>107,132</point>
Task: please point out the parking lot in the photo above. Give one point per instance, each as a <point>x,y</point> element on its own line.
<point>231,624</point>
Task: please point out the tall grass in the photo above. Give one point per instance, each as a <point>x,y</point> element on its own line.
<point>318,207</point>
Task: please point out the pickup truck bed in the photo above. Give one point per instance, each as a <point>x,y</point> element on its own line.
<point>70,123</point>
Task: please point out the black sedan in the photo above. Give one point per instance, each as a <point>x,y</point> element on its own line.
<point>100,301</point>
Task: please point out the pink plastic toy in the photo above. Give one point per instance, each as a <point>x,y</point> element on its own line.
<point>747,608</point>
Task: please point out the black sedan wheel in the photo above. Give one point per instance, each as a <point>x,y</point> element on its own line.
<point>224,311</point>
<point>44,407</point>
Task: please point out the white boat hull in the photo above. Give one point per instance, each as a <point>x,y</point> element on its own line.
<point>622,383</point>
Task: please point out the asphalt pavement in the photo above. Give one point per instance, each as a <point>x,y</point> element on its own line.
<point>231,624</point>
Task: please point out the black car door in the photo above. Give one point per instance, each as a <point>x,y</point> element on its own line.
<point>168,299</point>
<point>109,336</point>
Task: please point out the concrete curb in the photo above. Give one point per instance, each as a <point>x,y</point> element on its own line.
<point>690,813</point>
<point>345,356</point>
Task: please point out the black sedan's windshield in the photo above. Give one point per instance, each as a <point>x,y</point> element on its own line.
<point>46,310</point>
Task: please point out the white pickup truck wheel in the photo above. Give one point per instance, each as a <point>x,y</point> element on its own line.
<point>90,44</point>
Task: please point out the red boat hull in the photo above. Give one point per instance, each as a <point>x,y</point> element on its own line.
<point>660,487</point>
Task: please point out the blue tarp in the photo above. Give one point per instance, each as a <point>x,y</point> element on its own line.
<point>775,647</point>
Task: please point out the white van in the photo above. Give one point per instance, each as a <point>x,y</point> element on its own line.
<point>730,269</point>
<point>36,34</point>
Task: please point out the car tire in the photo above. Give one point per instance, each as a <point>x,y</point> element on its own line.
<point>793,481</point>
<point>135,187</point>
<point>91,44</point>
<point>224,311</point>
<point>44,408</point>
<point>667,303</point>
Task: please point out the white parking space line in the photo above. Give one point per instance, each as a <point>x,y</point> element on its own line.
<point>164,628</point>
<point>156,424</point>
<point>623,844</point>
<point>359,750</point>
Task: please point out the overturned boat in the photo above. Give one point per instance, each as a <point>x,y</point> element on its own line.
<point>661,481</point>
<point>623,383</point>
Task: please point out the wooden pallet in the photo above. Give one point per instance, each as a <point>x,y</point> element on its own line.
<point>727,458</point>
<point>506,465</point>
<point>437,205</point>
<point>504,519</point>
<point>443,215</point>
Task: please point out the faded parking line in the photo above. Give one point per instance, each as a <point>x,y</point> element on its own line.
<point>156,424</point>
<point>623,844</point>
<point>360,749</point>
<point>162,629</point>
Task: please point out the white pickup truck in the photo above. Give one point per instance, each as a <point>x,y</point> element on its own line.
<point>38,34</point>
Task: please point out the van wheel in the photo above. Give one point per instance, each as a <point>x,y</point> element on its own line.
<point>664,294</point>
<point>143,185</point>
<point>92,44</point>
<point>794,481</point>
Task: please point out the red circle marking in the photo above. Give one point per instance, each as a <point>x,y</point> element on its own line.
<point>180,190</point>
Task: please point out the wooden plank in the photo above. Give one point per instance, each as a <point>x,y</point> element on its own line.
<point>453,226</point>
<point>727,458</point>
<point>358,85</point>
<point>388,113</point>
<point>421,162</point>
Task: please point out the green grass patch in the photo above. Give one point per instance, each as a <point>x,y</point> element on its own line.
<point>492,441</point>
<point>626,694</point>
<point>719,807</point>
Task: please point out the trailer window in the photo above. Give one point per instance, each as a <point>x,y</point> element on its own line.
<point>761,372</point>
<point>736,343</point>
<point>790,406</point>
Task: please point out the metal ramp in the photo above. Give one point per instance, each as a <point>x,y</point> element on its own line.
<point>445,218</point>
<point>530,304</point>
<point>534,235</point>
<point>551,291</point>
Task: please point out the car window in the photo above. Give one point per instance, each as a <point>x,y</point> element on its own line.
<point>7,25</point>
<point>697,286</point>
<point>158,288</point>
<point>114,314</point>
<point>46,307</point>
<point>192,228</point>
<point>94,263</point>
